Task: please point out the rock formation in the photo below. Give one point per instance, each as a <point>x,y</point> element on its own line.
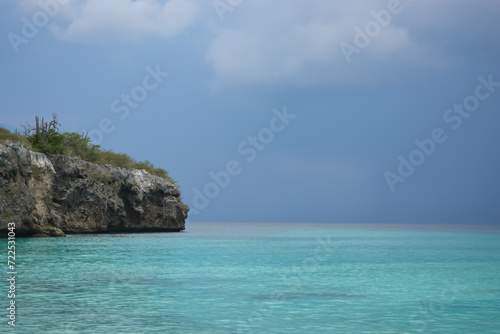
<point>57,195</point>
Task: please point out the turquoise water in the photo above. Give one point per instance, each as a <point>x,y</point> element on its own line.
<point>260,278</point>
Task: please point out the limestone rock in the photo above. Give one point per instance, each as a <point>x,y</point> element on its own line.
<point>55,195</point>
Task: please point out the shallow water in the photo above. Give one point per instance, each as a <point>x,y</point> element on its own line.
<point>260,278</point>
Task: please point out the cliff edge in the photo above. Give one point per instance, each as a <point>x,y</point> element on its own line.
<point>54,195</point>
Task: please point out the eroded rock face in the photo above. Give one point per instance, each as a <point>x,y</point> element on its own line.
<point>55,195</point>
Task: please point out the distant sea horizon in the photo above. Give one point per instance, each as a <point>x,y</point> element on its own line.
<point>376,226</point>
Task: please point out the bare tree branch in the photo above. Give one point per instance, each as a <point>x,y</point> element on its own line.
<point>42,130</point>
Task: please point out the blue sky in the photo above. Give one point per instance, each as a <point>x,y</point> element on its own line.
<point>288,111</point>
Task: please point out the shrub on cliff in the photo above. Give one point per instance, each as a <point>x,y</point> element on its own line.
<point>45,137</point>
<point>79,146</point>
<point>7,135</point>
<point>125,161</point>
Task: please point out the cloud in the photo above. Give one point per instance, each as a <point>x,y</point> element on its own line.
<point>299,45</point>
<point>124,20</point>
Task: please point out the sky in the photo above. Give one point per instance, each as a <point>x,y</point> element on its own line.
<point>361,111</point>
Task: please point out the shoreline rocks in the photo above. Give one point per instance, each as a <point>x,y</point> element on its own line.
<point>57,195</point>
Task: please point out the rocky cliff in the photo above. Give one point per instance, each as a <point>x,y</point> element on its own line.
<point>57,195</point>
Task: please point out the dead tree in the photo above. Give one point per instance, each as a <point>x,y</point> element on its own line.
<point>42,130</point>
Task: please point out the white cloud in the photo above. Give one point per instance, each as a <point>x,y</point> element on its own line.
<point>299,43</point>
<point>125,20</point>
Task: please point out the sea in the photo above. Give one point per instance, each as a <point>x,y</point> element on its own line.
<point>259,278</point>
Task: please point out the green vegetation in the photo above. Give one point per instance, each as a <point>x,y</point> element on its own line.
<point>116,185</point>
<point>8,214</point>
<point>106,178</point>
<point>7,135</point>
<point>45,137</point>
<point>101,176</point>
<point>36,172</point>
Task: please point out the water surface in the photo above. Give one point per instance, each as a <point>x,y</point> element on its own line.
<point>261,278</point>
